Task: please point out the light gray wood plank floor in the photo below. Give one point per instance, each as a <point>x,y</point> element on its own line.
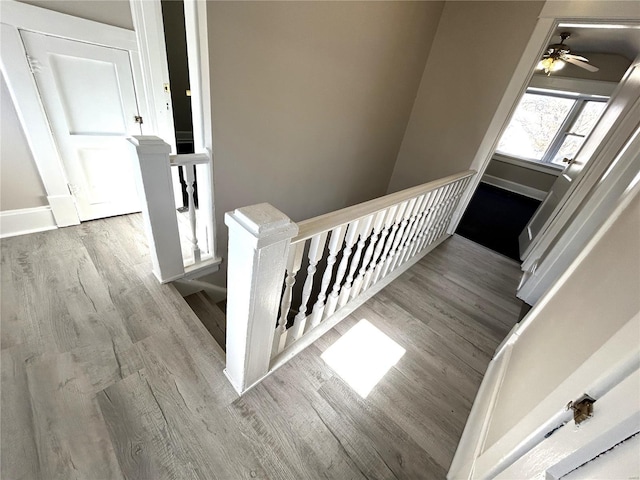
<point>108,374</point>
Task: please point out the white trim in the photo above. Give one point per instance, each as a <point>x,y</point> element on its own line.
<point>24,94</point>
<point>26,220</point>
<point>149,30</point>
<point>514,187</point>
<point>548,168</point>
<point>577,85</point>
<point>41,20</point>
<point>195,17</point>
<point>570,447</point>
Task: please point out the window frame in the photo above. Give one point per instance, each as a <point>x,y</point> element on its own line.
<point>563,131</point>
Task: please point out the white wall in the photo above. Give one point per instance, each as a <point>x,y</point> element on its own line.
<point>600,296</point>
<point>20,183</point>
<point>310,99</point>
<point>473,57</point>
<point>111,12</point>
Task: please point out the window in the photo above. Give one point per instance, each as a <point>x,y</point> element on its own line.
<point>550,127</point>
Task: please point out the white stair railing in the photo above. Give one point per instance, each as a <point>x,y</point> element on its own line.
<point>182,245</point>
<point>371,243</point>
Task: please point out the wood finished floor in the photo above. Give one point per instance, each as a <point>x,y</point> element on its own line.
<point>107,374</point>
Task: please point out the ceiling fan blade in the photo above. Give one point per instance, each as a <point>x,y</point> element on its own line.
<point>578,63</point>
<point>575,57</point>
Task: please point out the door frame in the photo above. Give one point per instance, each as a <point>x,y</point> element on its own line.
<point>553,13</point>
<point>26,99</point>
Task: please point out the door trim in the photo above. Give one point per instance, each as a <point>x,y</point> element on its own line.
<point>148,25</point>
<point>24,93</point>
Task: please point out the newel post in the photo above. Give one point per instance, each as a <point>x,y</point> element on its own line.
<point>155,188</point>
<point>259,239</point>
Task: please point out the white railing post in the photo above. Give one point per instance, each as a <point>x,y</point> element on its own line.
<point>259,239</point>
<point>155,188</point>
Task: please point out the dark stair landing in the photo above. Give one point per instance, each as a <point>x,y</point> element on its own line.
<point>495,218</point>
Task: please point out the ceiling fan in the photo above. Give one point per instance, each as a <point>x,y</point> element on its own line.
<point>559,54</point>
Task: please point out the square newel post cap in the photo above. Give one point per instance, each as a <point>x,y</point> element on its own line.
<point>150,144</point>
<point>264,222</point>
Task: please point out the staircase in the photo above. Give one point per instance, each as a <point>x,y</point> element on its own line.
<point>211,314</point>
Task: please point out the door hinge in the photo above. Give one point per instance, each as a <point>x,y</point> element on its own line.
<point>34,64</point>
<point>73,189</point>
<point>138,119</point>
<point>582,408</point>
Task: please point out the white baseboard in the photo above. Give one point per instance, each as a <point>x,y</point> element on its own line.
<point>26,220</point>
<point>514,187</point>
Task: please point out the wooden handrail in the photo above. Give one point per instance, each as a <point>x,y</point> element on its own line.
<point>323,223</point>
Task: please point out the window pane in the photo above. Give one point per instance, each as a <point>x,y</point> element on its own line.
<point>534,124</point>
<point>588,118</point>
<point>569,148</point>
<point>579,131</point>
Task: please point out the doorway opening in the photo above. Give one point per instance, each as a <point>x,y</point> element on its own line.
<point>537,151</point>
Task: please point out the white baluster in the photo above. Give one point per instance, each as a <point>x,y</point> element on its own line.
<point>294,261</point>
<point>365,230</point>
<point>351,236</point>
<point>433,209</point>
<point>191,179</point>
<point>399,236</point>
<point>399,213</point>
<point>316,249</point>
<point>420,232</point>
<point>335,243</point>
<point>440,211</point>
<point>403,249</point>
<point>388,218</point>
<point>358,283</point>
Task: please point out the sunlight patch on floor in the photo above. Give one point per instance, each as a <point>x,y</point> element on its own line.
<point>362,356</point>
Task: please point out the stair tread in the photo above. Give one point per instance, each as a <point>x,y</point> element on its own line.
<point>211,316</point>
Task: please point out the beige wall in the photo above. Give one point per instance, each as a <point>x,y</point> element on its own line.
<point>521,175</point>
<point>460,88</point>
<point>20,184</point>
<point>311,99</point>
<point>599,297</point>
<point>111,12</point>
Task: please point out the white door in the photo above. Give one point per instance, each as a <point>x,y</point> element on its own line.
<point>89,98</point>
<point>566,182</point>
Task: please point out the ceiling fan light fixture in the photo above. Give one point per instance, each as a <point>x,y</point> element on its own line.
<point>550,64</point>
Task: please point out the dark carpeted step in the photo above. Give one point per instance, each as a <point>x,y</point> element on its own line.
<point>495,218</point>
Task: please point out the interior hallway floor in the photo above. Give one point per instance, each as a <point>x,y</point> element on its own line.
<point>108,374</point>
